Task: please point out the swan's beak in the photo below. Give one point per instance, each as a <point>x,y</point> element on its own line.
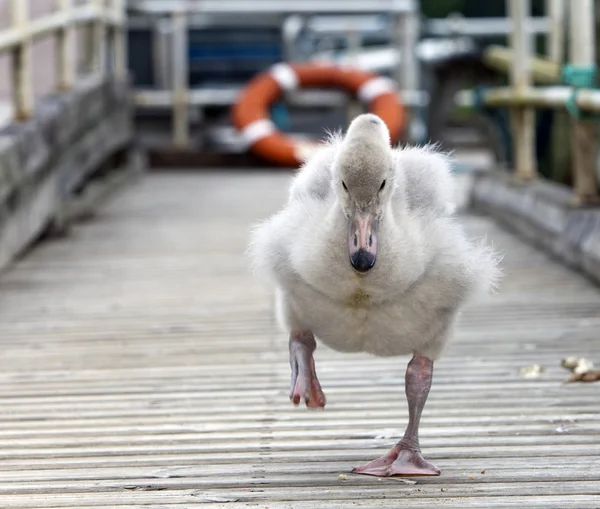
<point>362,241</point>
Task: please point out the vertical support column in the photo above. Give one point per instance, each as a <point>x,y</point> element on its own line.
<point>65,48</point>
<point>582,56</point>
<point>162,49</point>
<point>353,108</point>
<point>407,74</point>
<point>21,62</point>
<point>119,39</point>
<point>522,118</point>
<point>180,79</point>
<point>555,39</point>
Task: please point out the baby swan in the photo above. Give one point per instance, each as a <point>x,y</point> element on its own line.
<point>366,257</point>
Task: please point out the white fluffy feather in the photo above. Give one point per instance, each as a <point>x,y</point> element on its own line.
<point>426,266</point>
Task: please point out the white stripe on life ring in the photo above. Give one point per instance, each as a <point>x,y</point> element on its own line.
<point>285,76</point>
<point>257,130</point>
<point>374,87</point>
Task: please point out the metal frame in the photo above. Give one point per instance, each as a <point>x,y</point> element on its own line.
<point>180,12</point>
<point>105,18</point>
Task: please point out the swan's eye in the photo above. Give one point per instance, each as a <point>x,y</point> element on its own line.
<point>382,186</point>
<point>344,186</point>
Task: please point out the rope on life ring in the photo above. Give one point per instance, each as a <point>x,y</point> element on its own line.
<point>251,112</point>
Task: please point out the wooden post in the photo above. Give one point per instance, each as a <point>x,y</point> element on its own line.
<point>522,118</point>
<point>94,59</point>
<point>555,10</point>
<point>65,47</point>
<point>21,62</point>
<point>180,80</point>
<point>584,147</point>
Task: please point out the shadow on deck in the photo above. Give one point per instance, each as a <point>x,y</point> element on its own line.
<point>141,367</point>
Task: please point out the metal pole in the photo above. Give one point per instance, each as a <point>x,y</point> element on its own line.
<point>292,27</point>
<point>522,117</point>
<point>65,48</point>
<point>582,54</point>
<point>354,108</point>
<point>407,73</point>
<point>180,80</point>
<point>21,61</point>
<point>162,49</point>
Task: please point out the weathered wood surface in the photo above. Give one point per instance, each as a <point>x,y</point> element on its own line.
<point>45,160</point>
<point>141,368</point>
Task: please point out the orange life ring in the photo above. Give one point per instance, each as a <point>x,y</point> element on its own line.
<point>251,115</point>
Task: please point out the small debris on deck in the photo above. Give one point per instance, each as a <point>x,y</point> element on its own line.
<point>577,365</point>
<point>532,371</point>
<point>582,368</point>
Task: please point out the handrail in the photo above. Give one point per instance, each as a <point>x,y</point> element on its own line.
<point>576,88</point>
<point>105,20</point>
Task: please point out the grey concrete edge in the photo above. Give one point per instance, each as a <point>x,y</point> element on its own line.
<point>542,213</point>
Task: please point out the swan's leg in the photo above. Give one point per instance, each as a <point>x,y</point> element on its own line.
<point>305,384</point>
<point>405,457</point>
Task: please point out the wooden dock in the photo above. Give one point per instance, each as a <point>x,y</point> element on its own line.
<point>141,368</point>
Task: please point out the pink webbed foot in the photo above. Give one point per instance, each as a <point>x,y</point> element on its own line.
<point>399,462</point>
<point>405,457</point>
<point>305,384</point>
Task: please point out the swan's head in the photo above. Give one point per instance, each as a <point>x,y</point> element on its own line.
<point>363,182</point>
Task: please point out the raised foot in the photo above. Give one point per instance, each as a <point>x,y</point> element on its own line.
<point>399,462</point>
<point>309,390</point>
<point>306,386</point>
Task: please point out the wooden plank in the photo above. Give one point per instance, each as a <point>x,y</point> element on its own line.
<point>197,498</point>
<point>520,468</point>
<point>330,487</point>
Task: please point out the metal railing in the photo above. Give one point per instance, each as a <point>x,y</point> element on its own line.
<point>104,22</point>
<point>574,88</point>
<point>180,13</point>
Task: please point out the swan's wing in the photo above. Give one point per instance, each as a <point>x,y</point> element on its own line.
<point>428,185</point>
<point>313,180</point>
